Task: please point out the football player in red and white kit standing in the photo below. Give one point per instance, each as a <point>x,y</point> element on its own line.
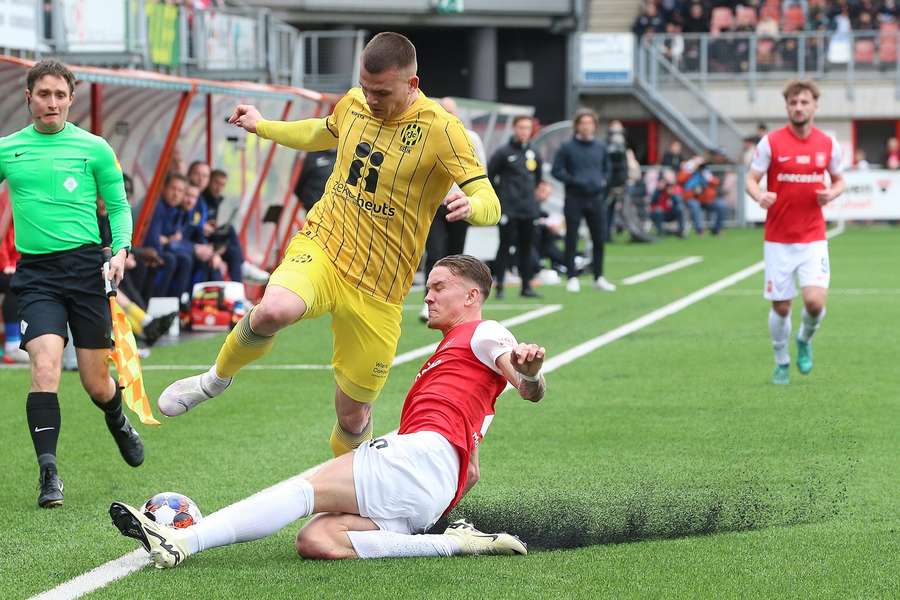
<point>798,161</point>
<point>372,502</point>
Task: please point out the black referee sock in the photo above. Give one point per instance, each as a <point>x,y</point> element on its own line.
<point>112,409</point>
<point>42,409</point>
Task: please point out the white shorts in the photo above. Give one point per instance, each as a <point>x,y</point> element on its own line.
<point>404,483</point>
<point>808,262</point>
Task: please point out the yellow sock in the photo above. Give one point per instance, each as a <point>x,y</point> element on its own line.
<point>242,347</point>
<point>135,316</point>
<point>343,442</point>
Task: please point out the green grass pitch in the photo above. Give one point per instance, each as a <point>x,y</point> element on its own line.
<point>661,465</point>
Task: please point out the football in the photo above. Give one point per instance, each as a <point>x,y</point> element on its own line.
<point>172,510</point>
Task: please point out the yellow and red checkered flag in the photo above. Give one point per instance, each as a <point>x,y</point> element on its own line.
<point>128,366</point>
<point>124,355</point>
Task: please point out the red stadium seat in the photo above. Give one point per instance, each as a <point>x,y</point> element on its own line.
<point>887,43</point>
<point>793,20</point>
<point>864,52</point>
<point>721,18</point>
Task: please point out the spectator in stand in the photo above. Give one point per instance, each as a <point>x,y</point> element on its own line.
<point>9,256</point>
<point>701,194</point>
<point>142,263</point>
<point>317,168</point>
<point>891,151</point>
<point>548,237</point>
<point>859,160</point>
<point>672,157</point>
<point>696,20</point>
<point>888,12</point>
<point>208,265</point>
<point>649,21</point>
<point>865,21</point>
<point>164,235</point>
<point>515,171</point>
<point>673,47</point>
<point>666,204</point>
<point>583,165</point>
<point>222,235</point>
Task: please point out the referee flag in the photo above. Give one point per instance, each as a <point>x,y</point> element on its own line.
<point>128,366</point>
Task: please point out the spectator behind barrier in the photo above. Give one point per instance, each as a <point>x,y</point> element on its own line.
<point>164,235</point>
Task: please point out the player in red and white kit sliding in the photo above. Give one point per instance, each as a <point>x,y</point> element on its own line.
<point>795,160</point>
<point>373,501</point>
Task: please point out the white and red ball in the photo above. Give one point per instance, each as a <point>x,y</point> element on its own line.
<point>172,510</point>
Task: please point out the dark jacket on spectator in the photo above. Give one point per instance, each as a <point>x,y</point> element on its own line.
<point>583,167</point>
<point>317,167</point>
<point>166,221</point>
<point>515,170</point>
<point>212,204</point>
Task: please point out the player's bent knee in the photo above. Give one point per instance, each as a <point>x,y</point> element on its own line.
<point>314,544</point>
<point>276,312</point>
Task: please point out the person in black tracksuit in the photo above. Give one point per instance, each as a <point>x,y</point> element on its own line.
<point>515,171</point>
<point>583,166</point>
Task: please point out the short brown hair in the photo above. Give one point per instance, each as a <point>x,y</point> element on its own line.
<point>469,267</point>
<point>581,113</point>
<point>797,86</point>
<point>50,67</point>
<point>518,118</point>
<point>388,50</point>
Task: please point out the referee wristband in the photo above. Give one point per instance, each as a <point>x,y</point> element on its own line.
<point>529,378</point>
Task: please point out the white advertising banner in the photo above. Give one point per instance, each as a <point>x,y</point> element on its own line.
<point>868,195</point>
<point>605,58</point>
<point>94,25</point>
<point>19,24</point>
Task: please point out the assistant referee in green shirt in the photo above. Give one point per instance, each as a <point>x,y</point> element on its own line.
<point>55,171</point>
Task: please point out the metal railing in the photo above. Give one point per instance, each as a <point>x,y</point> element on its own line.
<point>750,58</point>
<point>687,104</point>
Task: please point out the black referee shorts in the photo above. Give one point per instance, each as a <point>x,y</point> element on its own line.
<point>64,287</point>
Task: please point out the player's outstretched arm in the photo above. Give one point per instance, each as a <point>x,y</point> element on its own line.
<point>522,368</point>
<point>305,134</point>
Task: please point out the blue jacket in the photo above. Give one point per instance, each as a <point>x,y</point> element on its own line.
<point>583,167</point>
<point>166,221</point>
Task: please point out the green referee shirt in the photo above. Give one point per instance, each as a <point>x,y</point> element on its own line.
<point>53,182</point>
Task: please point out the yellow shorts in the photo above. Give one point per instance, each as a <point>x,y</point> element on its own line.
<point>366,330</point>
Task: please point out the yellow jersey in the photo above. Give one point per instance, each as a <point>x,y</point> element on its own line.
<point>388,181</point>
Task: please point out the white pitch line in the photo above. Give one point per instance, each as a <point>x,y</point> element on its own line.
<point>674,266</point>
<point>580,350</point>
<point>108,573</point>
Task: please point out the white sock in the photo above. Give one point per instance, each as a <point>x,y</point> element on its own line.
<point>387,544</point>
<point>780,329</point>
<point>809,324</point>
<point>214,384</point>
<point>257,517</point>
